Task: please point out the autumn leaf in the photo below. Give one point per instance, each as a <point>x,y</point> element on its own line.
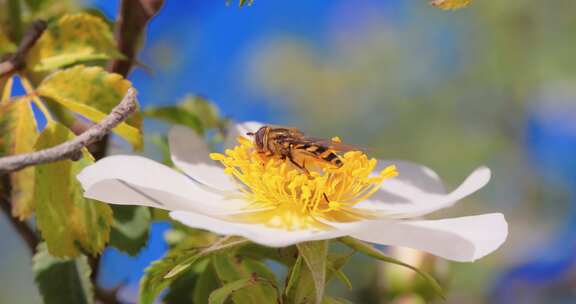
<point>74,38</point>
<point>70,223</point>
<point>17,135</point>
<point>5,88</point>
<point>93,93</point>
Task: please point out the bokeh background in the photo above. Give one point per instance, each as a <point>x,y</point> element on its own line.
<point>493,84</point>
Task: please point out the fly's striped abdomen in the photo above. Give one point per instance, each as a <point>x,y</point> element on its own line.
<point>321,152</point>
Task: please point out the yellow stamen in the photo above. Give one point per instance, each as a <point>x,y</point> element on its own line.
<point>286,197</point>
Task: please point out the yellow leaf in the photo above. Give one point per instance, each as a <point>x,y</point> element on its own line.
<point>18,135</point>
<point>72,39</point>
<point>70,223</point>
<point>93,93</point>
<point>450,4</point>
<point>5,89</point>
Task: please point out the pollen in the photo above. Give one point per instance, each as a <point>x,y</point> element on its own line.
<point>284,196</point>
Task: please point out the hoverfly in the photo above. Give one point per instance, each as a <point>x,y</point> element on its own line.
<point>292,144</point>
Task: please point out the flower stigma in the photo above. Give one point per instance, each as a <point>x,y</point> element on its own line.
<point>284,196</point>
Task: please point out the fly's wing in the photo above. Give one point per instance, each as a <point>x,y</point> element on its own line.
<point>334,145</point>
<point>287,132</point>
<point>306,143</point>
<point>306,150</point>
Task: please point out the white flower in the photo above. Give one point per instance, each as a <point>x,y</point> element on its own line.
<point>274,204</point>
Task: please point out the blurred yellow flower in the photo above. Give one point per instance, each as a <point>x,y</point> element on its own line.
<point>450,4</point>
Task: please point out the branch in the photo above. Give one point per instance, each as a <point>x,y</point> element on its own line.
<point>133,18</point>
<point>72,149</point>
<point>105,296</point>
<point>16,61</point>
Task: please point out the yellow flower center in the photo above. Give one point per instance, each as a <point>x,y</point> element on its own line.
<point>285,196</point>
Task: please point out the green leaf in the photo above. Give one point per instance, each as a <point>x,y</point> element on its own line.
<point>330,300</point>
<point>72,39</point>
<point>233,268</point>
<point>130,228</point>
<point>62,280</point>
<point>300,285</point>
<point>153,281</point>
<point>194,238</point>
<point>314,255</point>
<point>11,19</point>
<point>343,278</point>
<point>6,45</point>
<point>194,112</point>
<point>181,290</point>
<point>293,275</point>
<point>49,9</point>
<point>220,295</point>
<point>207,282</point>
<point>93,93</point>
<point>17,135</point>
<point>161,142</point>
<point>178,260</point>
<point>207,111</point>
<point>226,243</point>
<point>175,115</point>
<point>37,5</point>
<point>284,255</point>
<point>69,223</point>
<point>334,264</point>
<point>373,252</point>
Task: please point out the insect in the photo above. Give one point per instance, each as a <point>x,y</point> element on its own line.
<point>292,144</point>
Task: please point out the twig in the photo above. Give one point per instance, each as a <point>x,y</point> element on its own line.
<point>105,296</point>
<point>133,18</point>
<point>72,149</point>
<point>26,233</point>
<point>16,61</point>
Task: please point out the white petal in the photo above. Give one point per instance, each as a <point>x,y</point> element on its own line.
<point>416,175</point>
<point>257,233</point>
<point>463,239</point>
<point>135,180</point>
<point>240,130</point>
<point>418,191</point>
<point>191,154</point>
